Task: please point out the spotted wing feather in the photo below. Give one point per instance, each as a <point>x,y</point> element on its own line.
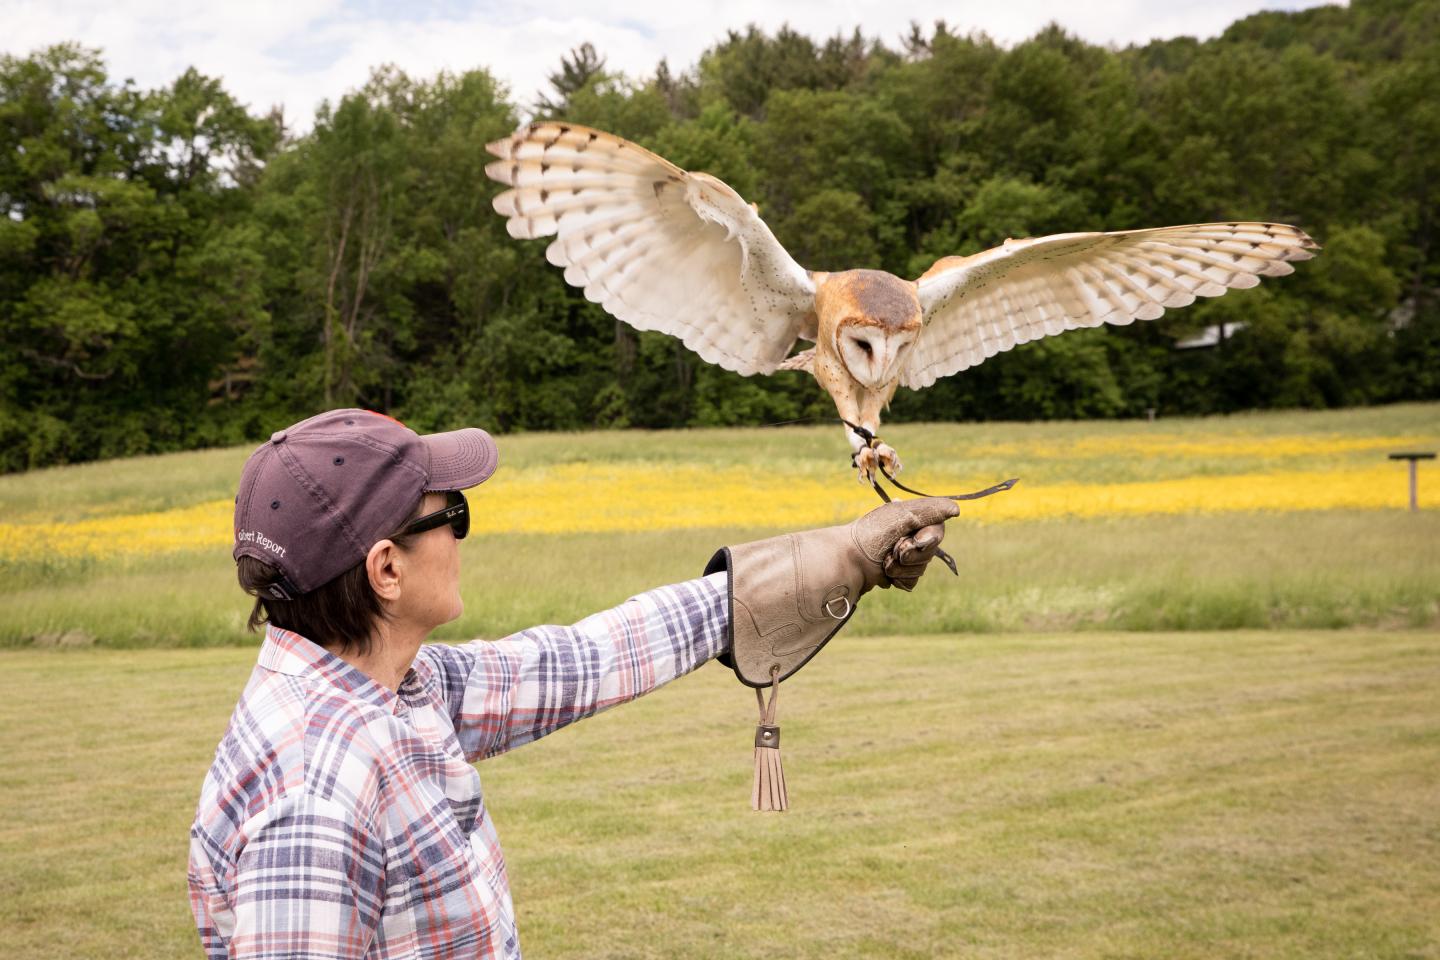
<point>978,306</point>
<point>656,246</point>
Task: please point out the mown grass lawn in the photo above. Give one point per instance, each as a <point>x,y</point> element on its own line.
<point>1239,794</point>
<point>985,768</point>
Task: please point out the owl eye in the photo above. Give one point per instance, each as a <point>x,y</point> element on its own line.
<point>865,345</point>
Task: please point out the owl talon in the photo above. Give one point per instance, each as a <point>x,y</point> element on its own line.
<point>888,458</point>
<point>866,462</point>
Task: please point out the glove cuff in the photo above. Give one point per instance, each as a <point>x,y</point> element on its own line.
<point>778,620</point>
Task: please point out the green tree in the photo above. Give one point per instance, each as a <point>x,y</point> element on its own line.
<point>119,206</point>
<point>174,272</point>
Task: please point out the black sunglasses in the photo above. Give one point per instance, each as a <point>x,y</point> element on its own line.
<point>456,514</point>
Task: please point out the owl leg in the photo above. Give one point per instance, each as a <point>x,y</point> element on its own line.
<point>870,408</point>
<point>868,452</point>
<point>862,457</point>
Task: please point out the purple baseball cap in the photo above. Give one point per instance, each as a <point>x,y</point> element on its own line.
<point>317,496</point>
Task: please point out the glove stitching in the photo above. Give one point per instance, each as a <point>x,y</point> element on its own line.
<point>797,559</point>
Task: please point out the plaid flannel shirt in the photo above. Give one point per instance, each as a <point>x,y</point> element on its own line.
<point>343,820</point>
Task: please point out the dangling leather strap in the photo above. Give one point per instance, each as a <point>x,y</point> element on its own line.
<point>997,488</point>
<point>768,792</point>
<point>871,440</point>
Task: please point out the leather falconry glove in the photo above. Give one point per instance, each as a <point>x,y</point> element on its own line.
<point>790,594</point>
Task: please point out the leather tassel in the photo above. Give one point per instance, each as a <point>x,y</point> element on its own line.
<point>768,793</point>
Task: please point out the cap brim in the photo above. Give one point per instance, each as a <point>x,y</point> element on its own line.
<point>460,459</point>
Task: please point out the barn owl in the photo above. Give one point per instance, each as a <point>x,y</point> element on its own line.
<point>680,252</point>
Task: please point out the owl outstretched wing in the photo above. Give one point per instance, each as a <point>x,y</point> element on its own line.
<point>978,306</point>
<point>656,246</point>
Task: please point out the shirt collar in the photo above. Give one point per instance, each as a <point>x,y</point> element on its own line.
<point>284,651</point>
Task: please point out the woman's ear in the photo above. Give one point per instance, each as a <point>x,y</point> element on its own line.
<point>382,564</point>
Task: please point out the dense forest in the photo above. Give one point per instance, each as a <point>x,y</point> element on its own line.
<point>179,271</point>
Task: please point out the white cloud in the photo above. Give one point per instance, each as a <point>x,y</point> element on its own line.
<point>299,52</point>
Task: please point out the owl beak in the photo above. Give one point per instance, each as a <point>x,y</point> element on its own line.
<point>888,363</point>
<point>881,362</point>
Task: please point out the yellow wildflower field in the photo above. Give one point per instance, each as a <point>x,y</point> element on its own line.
<point>638,496</point>
<point>1190,447</point>
<point>1289,519</point>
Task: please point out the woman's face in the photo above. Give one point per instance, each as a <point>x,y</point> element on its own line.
<point>430,592</point>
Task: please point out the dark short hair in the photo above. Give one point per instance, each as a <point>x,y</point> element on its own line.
<point>339,615</point>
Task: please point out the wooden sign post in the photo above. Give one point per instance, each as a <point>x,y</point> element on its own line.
<point>1412,456</point>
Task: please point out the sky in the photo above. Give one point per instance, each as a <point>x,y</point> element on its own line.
<point>299,52</point>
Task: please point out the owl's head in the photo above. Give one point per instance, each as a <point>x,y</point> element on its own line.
<point>874,317</point>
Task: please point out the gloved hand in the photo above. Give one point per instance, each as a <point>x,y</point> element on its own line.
<point>789,595</point>
<point>907,560</point>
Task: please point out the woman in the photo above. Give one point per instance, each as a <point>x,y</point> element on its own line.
<point>342,816</point>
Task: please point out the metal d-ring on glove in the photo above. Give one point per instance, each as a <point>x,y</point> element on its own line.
<point>789,595</point>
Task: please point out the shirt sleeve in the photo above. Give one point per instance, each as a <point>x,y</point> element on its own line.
<point>504,693</point>
<point>309,883</point>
